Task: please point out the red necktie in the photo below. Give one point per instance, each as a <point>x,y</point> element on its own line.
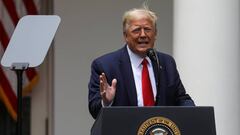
<point>147,92</point>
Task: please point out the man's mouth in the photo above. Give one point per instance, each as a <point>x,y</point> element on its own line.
<point>143,42</point>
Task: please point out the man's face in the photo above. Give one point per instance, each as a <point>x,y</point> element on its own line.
<point>140,35</point>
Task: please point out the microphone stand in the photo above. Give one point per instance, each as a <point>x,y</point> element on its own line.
<point>151,53</point>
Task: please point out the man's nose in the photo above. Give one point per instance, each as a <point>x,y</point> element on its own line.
<point>142,33</point>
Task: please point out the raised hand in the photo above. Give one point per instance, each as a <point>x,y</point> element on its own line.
<point>107,91</point>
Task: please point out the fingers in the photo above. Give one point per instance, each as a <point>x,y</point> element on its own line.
<point>103,84</point>
<point>114,83</point>
<point>107,92</point>
<point>104,78</point>
<point>101,87</point>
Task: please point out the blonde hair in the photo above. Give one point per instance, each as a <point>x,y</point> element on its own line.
<point>137,13</point>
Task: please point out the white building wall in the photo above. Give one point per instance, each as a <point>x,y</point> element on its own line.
<point>207,51</point>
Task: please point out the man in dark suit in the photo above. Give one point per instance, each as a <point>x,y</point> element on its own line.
<point>117,78</point>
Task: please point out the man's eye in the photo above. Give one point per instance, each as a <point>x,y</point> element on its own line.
<point>136,30</point>
<point>147,29</point>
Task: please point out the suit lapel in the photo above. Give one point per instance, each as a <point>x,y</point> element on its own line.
<point>127,76</point>
<point>161,91</point>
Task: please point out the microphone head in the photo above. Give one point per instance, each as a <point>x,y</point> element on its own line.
<point>151,53</point>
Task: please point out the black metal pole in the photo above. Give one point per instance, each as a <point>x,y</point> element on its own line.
<point>19,73</point>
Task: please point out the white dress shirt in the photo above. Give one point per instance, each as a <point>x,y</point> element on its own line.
<point>136,63</point>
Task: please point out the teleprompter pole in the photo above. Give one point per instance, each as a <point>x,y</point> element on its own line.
<point>19,68</point>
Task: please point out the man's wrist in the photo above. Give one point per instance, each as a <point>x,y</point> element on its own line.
<point>106,104</point>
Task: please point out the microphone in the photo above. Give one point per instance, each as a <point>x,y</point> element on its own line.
<point>151,53</point>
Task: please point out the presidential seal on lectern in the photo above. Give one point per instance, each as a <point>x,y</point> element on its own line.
<point>158,126</point>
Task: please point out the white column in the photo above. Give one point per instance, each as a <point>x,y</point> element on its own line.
<point>207,52</point>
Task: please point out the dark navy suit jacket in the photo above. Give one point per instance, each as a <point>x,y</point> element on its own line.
<point>117,65</point>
